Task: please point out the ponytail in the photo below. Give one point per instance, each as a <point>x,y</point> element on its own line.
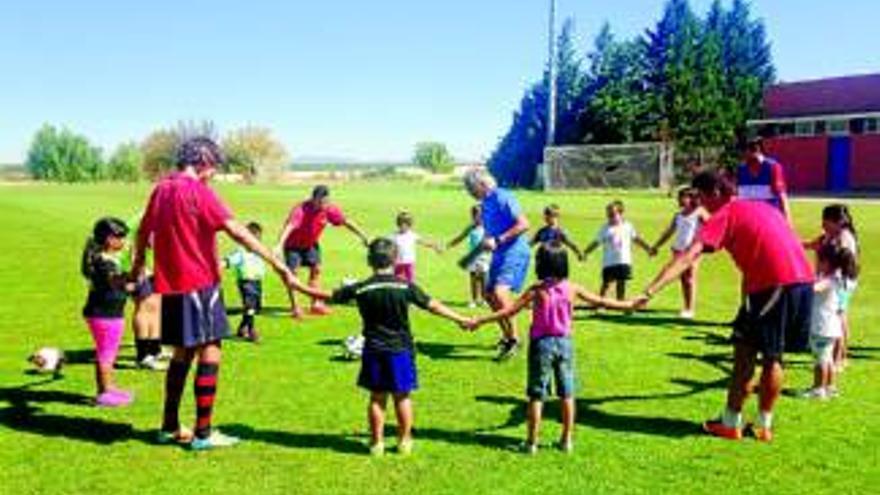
<point>90,254</point>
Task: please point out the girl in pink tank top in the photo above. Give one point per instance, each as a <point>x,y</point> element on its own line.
<point>551,354</point>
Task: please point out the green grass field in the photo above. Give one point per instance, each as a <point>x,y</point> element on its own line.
<point>645,382</point>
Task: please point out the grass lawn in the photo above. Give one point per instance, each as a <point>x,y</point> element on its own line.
<point>644,382</point>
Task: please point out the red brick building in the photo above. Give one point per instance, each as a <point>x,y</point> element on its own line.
<point>825,132</point>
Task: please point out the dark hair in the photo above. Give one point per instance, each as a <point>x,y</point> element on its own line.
<point>382,253</point>
<point>320,192</point>
<point>551,261</point>
<point>405,218</point>
<point>197,151</point>
<point>687,192</point>
<point>552,210</point>
<point>839,258</point>
<point>839,213</point>
<point>617,205</point>
<point>710,183</point>
<point>103,229</point>
<point>255,228</point>
<point>755,144</point>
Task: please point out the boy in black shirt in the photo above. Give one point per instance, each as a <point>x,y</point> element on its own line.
<point>388,362</point>
<point>553,233</point>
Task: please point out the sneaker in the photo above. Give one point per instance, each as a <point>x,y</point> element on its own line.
<point>183,436</point>
<point>242,333</point>
<point>216,440</point>
<point>832,391</point>
<point>405,447</point>
<point>686,314</point>
<point>528,448</point>
<point>254,337</point>
<point>165,355</point>
<point>152,363</point>
<point>759,433</point>
<point>818,393</point>
<point>508,350</point>
<point>377,449</point>
<point>717,428</point>
<point>296,314</point>
<point>113,398</point>
<point>320,310</point>
<point>472,305</point>
<point>566,446</point>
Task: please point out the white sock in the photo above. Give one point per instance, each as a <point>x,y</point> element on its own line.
<point>731,418</point>
<point>765,419</point>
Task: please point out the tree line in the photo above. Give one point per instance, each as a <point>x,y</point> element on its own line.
<point>690,80</point>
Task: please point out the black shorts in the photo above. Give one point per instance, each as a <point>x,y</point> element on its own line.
<point>776,320</point>
<point>307,257</point>
<point>616,272</point>
<point>251,294</point>
<point>143,289</point>
<point>194,318</point>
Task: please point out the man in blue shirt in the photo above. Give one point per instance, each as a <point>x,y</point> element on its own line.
<point>505,226</point>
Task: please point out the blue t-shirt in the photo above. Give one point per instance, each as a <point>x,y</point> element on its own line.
<point>500,211</point>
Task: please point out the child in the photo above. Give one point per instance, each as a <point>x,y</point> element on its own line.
<point>146,317</point>
<point>685,225</point>
<point>250,270</point>
<point>838,228</point>
<point>552,232</point>
<point>550,346</point>
<point>616,238</point>
<point>478,268</point>
<point>836,265</point>
<point>406,241</point>
<point>105,306</point>
<point>388,361</point>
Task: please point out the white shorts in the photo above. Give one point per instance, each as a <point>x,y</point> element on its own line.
<point>823,349</point>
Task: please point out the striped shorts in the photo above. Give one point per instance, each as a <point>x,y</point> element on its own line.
<point>194,318</point>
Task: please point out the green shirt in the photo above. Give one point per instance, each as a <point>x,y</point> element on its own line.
<point>247,265</point>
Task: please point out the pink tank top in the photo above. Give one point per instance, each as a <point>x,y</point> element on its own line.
<point>552,309</point>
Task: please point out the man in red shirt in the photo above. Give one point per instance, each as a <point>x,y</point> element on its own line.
<point>301,235</point>
<point>777,281</point>
<point>182,219</point>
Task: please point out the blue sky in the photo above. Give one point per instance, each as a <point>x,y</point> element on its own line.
<point>363,79</point>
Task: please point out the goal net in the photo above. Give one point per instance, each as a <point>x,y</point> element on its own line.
<point>626,166</point>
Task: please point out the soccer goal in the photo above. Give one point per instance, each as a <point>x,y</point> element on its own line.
<point>626,166</point>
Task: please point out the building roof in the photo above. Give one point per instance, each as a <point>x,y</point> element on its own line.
<point>840,95</point>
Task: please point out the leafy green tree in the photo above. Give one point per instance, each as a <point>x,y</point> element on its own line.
<point>63,156</point>
<point>125,165</point>
<point>255,153</point>
<point>159,152</point>
<point>433,156</point>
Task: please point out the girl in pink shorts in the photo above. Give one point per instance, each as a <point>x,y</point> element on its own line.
<point>105,305</point>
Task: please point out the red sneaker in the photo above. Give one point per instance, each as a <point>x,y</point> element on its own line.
<point>717,428</point>
<point>320,310</point>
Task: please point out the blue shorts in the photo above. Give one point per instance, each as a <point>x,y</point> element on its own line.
<point>392,372</point>
<point>551,359</point>
<point>194,318</point>
<point>508,269</point>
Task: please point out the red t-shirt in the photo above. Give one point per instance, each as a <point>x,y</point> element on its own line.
<point>309,222</point>
<point>184,216</point>
<point>763,246</point>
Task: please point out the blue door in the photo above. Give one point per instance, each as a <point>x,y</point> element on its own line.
<point>839,153</point>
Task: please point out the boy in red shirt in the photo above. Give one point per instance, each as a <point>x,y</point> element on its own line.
<point>300,239</point>
<point>182,219</point>
<point>777,281</point>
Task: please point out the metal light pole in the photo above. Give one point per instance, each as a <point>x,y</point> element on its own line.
<point>551,100</point>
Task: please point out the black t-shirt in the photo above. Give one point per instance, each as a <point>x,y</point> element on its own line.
<point>548,234</point>
<point>383,301</point>
<point>106,295</point>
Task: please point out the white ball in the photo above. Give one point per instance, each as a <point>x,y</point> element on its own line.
<point>48,359</point>
<point>353,346</point>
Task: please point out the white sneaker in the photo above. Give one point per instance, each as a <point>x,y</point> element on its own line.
<point>165,355</point>
<point>151,363</point>
<point>216,440</point>
<point>686,314</point>
<point>815,393</point>
<point>377,449</point>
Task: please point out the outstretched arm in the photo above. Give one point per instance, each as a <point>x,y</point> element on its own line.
<point>354,229</point>
<point>574,249</point>
<point>285,233</point>
<point>508,312</point>
<point>670,229</point>
<point>644,245</point>
<point>430,245</point>
<point>672,271</point>
<point>460,237</point>
<point>438,308</point>
<point>590,248</point>
<point>597,300</point>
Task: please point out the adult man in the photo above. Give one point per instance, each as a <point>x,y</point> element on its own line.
<point>182,220</point>
<point>505,226</point>
<point>300,240</point>
<point>777,281</point>
<point>760,178</point>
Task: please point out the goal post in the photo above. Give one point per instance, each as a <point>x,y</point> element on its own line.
<point>623,166</point>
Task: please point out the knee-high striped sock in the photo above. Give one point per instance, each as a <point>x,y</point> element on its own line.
<point>175,381</point>
<point>205,390</point>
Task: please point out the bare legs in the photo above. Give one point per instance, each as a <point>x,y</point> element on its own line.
<point>376,417</point>
<point>534,413</point>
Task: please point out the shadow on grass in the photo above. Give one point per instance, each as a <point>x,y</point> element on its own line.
<point>643,319</point>
<point>864,353</point>
<point>76,357</point>
<point>341,443</point>
<point>433,350</point>
<point>22,412</point>
<point>589,414</point>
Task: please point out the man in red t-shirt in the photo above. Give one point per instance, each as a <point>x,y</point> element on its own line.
<point>182,220</point>
<point>301,235</point>
<point>777,281</point>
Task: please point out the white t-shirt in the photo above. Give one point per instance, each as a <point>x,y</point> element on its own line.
<point>406,246</point>
<point>686,228</point>
<point>616,241</point>
<point>826,305</point>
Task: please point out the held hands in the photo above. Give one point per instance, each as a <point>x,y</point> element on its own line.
<point>470,324</point>
<point>490,244</point>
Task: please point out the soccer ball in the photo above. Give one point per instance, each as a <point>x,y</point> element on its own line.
<point>47,360</point>
<point>353,347</point>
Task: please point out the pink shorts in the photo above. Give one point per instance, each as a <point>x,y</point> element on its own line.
<point>107,334</point>
<point>405,271</point>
